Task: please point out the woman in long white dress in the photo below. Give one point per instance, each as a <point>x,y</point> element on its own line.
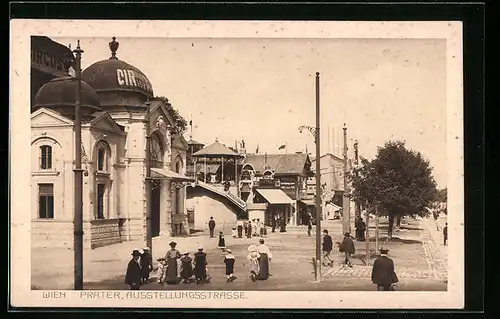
<point>253,258</point>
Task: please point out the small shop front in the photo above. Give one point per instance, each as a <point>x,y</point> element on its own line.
<point>280,205</point>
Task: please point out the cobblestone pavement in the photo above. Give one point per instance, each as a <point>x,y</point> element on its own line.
<point>436,266</point>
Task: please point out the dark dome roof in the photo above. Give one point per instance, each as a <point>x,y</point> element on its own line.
<point>114,75</point>
<point>60,93</point>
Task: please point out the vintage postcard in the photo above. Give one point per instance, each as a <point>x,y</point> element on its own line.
<point>236,164</point>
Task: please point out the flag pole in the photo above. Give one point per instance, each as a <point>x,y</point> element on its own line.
<point>318,185</point>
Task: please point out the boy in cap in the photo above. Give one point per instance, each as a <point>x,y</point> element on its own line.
<point>229,260</point>
<point>383,274</point>
<point>146,264</point>
<point>133,277</point>
<point>186,267</point>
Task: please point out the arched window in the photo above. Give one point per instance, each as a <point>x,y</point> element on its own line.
<point>177,167</point>
<point>101,159</point>
<point>156,152</point>
<point>45,157</point>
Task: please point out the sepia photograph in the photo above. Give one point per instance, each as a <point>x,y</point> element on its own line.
<point>200,165</point>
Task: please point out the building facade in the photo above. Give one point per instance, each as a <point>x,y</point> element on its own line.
<point>114,121</point>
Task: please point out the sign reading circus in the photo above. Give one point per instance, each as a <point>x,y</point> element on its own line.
<point>134,79</point>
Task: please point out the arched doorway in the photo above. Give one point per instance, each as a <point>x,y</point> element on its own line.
<point>156,151</point>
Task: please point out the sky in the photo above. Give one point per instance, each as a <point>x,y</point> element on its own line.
<point>262,90</point>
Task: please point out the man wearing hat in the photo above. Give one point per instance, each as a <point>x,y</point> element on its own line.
<point>133,277</point>
<point>327,248</point>
<point>383,274</point>
<point>347,247</point>
<point>200,266</point>
<point>146,264</point>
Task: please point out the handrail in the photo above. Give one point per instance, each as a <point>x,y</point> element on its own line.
<point>235,199</point>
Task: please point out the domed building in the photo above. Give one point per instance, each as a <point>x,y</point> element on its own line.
<point>114,97</point>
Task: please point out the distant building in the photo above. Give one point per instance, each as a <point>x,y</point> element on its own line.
<point>278,181</point>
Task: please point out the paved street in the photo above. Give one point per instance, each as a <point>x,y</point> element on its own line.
<point>416,255</point>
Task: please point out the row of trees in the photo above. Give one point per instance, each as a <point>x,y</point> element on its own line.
<point>398,181</point>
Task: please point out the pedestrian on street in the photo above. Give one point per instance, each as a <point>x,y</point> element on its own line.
<point>239,226</point>
<point>445,234</point>
<point>186,267</point>
<point>211,226</point>
<point>222,241</point>
<point>250,230</point>
<point>245,228</point>
<point>253,258</point>
<point>436,217</point>
<point>273,224</point>
<point>283,225</point>
<point>172,256</point>
<point>264,259</point>
<point>309,227</point>
<point>383,273</point>
<point>146,264</point>
<point>133,277</point>
<point>200,266</point>
<point>327,248</point>
<point>347,247</point>
<point>229,260</point>
<point>360,229</point>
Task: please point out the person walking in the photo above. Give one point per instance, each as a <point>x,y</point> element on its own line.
<point>239,226</point>
<point>264,259</point>
<point>186,267</point>
<point>360,229</point>
<point>383,273</point>
<point>230,260</point>
<point>327,248</point>
<point>200,266</point>
<point>347,247</point>
<point>445,234</point>
<point>172,257</point>
<point>273,224</point>
<point>309,227</point>
<point>211,226</point>
<point>146,264</point>
<point>249,230</point>
<point>133,277</point>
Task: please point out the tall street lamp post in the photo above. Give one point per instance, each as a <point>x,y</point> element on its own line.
<point>149,225</point>
<point>315,133</point>
<point>78,187</point>
<point>346,209</point>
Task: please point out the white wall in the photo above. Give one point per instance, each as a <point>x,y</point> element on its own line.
<point>208,205</point>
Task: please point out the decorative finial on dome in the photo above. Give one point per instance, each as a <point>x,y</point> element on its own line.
<point>113,46</point>
<point>68,62</point>
<point>216,140</point>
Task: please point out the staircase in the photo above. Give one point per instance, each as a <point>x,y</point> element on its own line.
<point>220,191</point>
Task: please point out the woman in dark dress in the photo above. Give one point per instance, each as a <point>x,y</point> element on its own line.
<point>146,265</point>
<point>200,266</point>
<point>249,229</point>
<point>222,241</point>
<point>186,267</point>
<point>172,256</point>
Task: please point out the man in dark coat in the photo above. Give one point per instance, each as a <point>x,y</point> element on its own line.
<point>133,277</point>
<point>383,274</point>
<point>347,247</point>
<point>327,248</point>
<point>146,264</point>
<point>200,266</point>
<point>211,226</point>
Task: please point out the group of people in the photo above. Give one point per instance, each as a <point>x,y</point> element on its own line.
<point>175,267</point>
<point>346,247</point>
<point>383,273</point>
<point>252,228</point>
<point>191,269</point>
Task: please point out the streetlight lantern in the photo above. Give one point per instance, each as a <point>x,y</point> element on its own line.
<point>78,204</point>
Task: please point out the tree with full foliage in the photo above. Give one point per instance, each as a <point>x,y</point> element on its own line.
<point>180,123</point>
<point>398,180</point>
